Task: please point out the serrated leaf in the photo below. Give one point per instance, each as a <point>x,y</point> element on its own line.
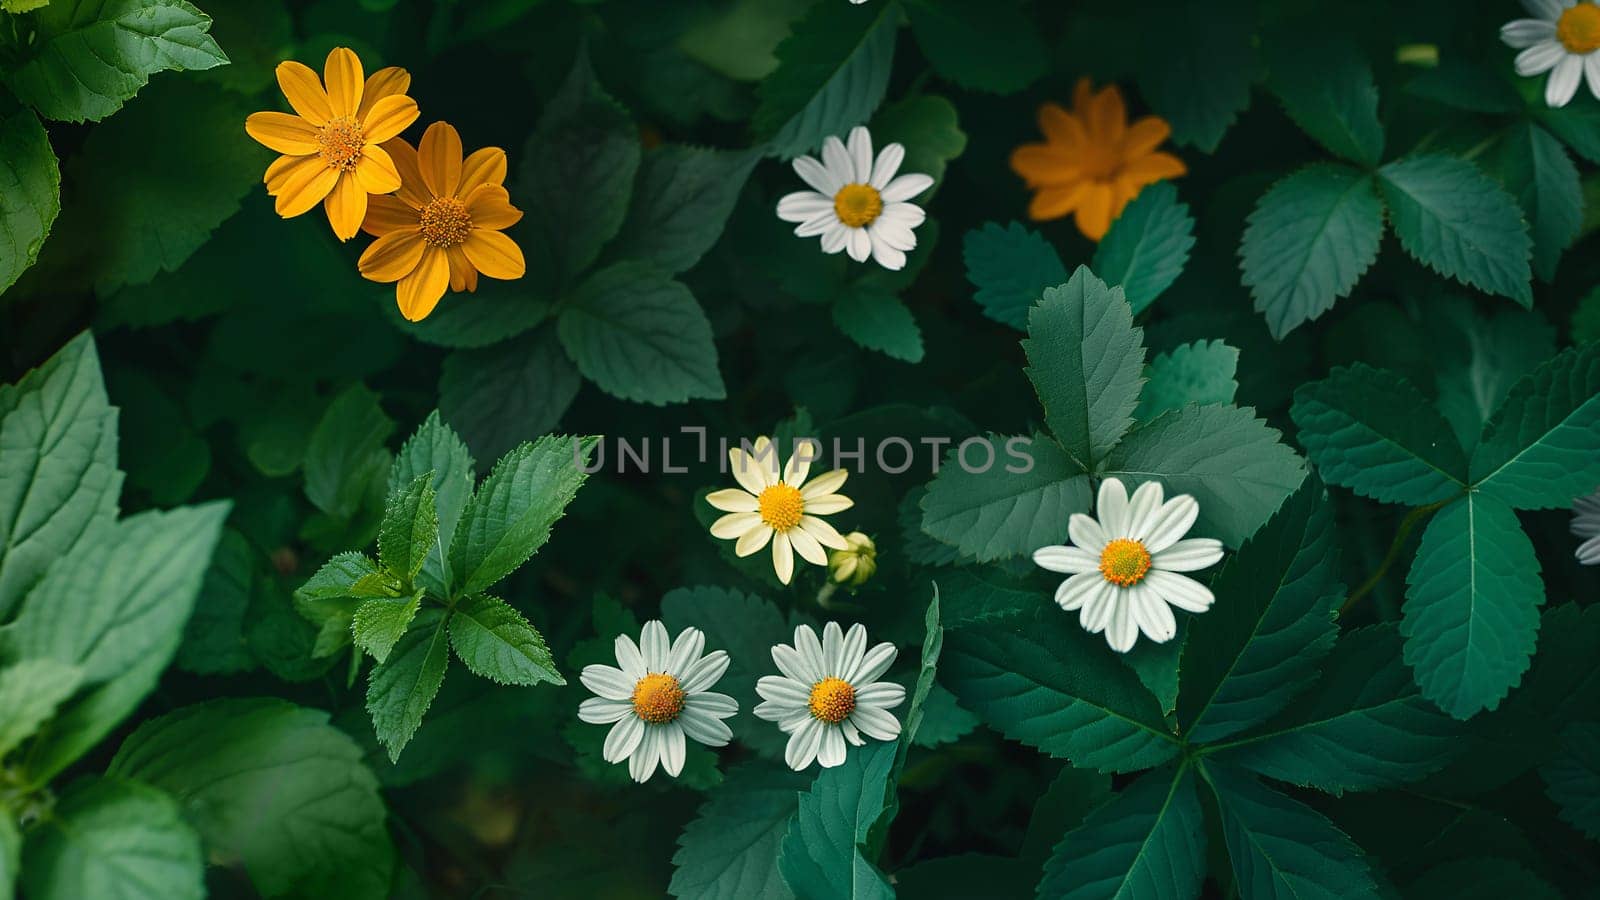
<point>379,623</point>
<point>1369,430</point>
<point>1086,362</point>
<point>30,192</point>
<point>91,55</point>
<point>275,787</point>
<point>1042,680</point>
<point>1200,372</point>
<point>514,391</point>
<point>879,321</point>
<point>435,449</point>
<point>1535,169</point>
<point>497,643</point>
<point>113,839</point>
<point>1148,245</point>
<point>30,691</point>
<point>1273,621</point>
<point>991,47</point>
<point>820,856</point>
<point>1326,87</point>
<point>1572,777</point>
<point>927,127</point>
<point>730,850</point>
<point>1148,841</point>
<point>681,201</point>
<point>1011,267</point>
<point>345,452</point>
<point>1541,449</point>
<point>1229,460</point>
<point>1198,62</point>
<point>1308,241</point>
<point>1476,370</point>
<point>973,594</point>
<point>510,516</point>
<point>410,528</point>
<point>1472,605</point>
<point>400,690</point>
<point>832,72</point>
<point>1004,512</point>
<point>1456,221</point>
<point>338,577</point>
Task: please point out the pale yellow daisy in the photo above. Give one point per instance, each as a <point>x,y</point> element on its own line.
<point>781,509</point>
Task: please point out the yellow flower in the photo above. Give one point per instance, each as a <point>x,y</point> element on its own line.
<point>1092,162</point>
<point>330,146</point>
<point>443,227</point>
<point>780,506</point>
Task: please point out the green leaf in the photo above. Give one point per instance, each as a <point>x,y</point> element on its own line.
<point>832,72</point>
<point>993,47</point>
<point>1456,221</point>
<point>730,850</point>
<point>820,856</point>
<point>1010,509</point>
<point>1147,841</point>
<point>497,311</point>
<point>1229,460</point>
<point>30,692</point>
<point>30,192</point>
<point>112,839</point>
<point>1086,362</point>
<point>1572,777</point>
<point>641,336</point>
<point>1481,878</point>
<point>1042,680</point>
<point>1273,621</point>
<point>1147,246</point>
<point>1198,62</point>
<point>879,322</point>
<point>410,528</point>
<point>511,392</point>
<point>400,690</point>
<point>435,449</point>
<point>972,594</point>
<point>1369,430</point>
<point>10,857</point>
<point>346,452</point>
<point>58,475</point>
<point>338,577</point>
<point>1542,447</point>
<point>497,643</point>
<point>577,171</point>
<point>1200,372</point>
<point>275,787</point>
<point>1472,605</point>
<point>88,56</point>
<point>379,623</point>
<point>1326,86</point>
<point>681,202</point>
<point>1283,849</point>
<point>1577,124</point>
<point>510,516</point>
<point>1535,169</point>
<point>1479,363</point>
<point>1364,725</point>
<point>1308,241</point>
<point>1011,267</point>
<point>927,127</point>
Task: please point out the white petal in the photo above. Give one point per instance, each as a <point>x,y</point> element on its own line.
<point>794,664</point>
<point>733,500</point>
<point>642,764</point>
<point>1172,521</point>
<point>1077,590</point>
<point>655,645</point>
<point>888,163</point>
<point>824,484</point>
<point>836,238</point>
<point>855,648</point>
<point>802,747</point>
<point>851,733</point>
<point>881,694</point>
<point>908,215</point>
<point>685,652</point>
<point>752,541</point>
<point>832,647</point>
<point>809,647</point>
<point>905,187</point>
<point>806,452</point>
<point>1067,560</point>
<point>704,729</point>
<point>704,672</point>
<point>820,223</point>
<point>600,711</point>
<point>825,534</point>
<point>1152,614</point>
<point>885,255</point>
<point>1123,631</point>
<point>875,723</point>
<point>1111,508</point>
<point>817,175</point>
<point>629,659</point>
<point>1179,590</point>
<point>1564,80</point>
<point>860,246</point>
<point>897,236</point>
<point>733,526</point>
<point>673,748</point>
<point>1146,500</point>
<point>1591,70</point>
<point>802,205</point>
<point>623,739</point>
<point>1540,58</point>
<point>608,682</point>
<point>1087,534</point>
<point>1545,9</point>
<point>1588,552</point>
<point>837,159</point>
<point>1524,33</point>
<point>807,546</point>
<point>711,703</point>
<point>749,471</point>
<point>783,689</point>
<point>1187,555</point>
<point>860,148</point>
<point>831,752</point>
<point>874,663</point>
<point>1097,611</point>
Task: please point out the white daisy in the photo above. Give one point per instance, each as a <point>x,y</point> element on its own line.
<point>1586,525</point>
<point>1561,39</point>
<point>858,205</point>
<point>657,696</point>
<point>1124,565</point>
<point>781,509</point>
<point>829,694</point>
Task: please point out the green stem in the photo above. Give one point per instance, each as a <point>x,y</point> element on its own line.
<point>1400,535</point>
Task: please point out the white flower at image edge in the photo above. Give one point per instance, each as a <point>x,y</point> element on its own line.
<point>658,696</point>
<point>829,695</point>
<point>1124,564</point>
<point>1562,38</point>
<point>1586,526</point>
<point>859,205</point>
<point>782,509</point>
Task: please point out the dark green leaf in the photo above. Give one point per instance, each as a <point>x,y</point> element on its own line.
<point>1012,507</point>
<point>30,192</point>
<point>112,839</point>
<point>400,690</point>
<point>683,198</point>
<point>1147,246</point>
<point>730,850</point>
<point>1542,447</point>
<point>991,47</point>
<point>820,856</point>
<point>832,72</point>
<point>1011,267</point>
<point>1148,841</point>
<point>1572,778</point>
<point>1198,61</point>
<point>927,127</point>
<point>511,392</point>
<point>346,452</point>
<point>1326,86</point>
<point>1201,372</point>
<point>1535,169</point>
<point>879,322</point>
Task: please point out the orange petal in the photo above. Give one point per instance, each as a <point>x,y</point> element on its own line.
<point>344,77</point>
<point>1108,117</point>
<point>494,254</point>
<point>1061,127</point>
<point>485,166</point>
<point>490,207</point>
<point>346,206</point>
<point>1082,94</point>
<point>305,189</point>
<point>376,171</point>
<point>419,292</point>
<point>1055,202</point>
<point>393,256</point>
<point>460,269</point>
<point>1145,136</point>
<point>389,117</point>
<point>1153,167</point>
<point>283,132</point>
<point>304,92</point>
<point>1043,164</point>
<point>386,214</point>
<point>383,83</point>
<point>284,168</point>
<point>1093,215</point>
<point>412,190</point>
<point>440,158</point>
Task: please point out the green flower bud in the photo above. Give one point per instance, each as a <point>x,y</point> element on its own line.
<point>855,564</point>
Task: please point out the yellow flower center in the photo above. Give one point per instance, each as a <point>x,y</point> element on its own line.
<point>781,506</point>
<point>341,142</point>
<point>445,222</point>
<point>1124,562</point>
<point>857,204</point>
<point>657,698</point>
<point>1578,29</point>
<point>832,699</point>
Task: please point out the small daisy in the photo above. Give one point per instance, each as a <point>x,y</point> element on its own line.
<point>829,694</point>
<point>1124,566</point>
<point>858,205</point>
<point>1586,525</point>
<point>782,510</point>
<point>657,696</point>
<point>1561,39</point>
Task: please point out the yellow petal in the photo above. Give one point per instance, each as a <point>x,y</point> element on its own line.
<point>284,169</point>
<point>1144,136</point>
<point>485,166</point>
<point>419,292</point>
<point>304,92</point>
<point>494,254</point>
<point>1108,117</point>
<point>440,158</point>
<point>490,207</point>
<point>346,206</point>
<point>389,117</point>
<point>1043,164</point>
<point>380,84</point>
<point>376,172</point>
<point>344,77</point>
<point>463,277</point>
<point>1093,216</point>
<point>412,190</point>
<point>1061,127</point>
<point>393,256</point>
<point>305,189</point>
<point>1055,202</point>
<point>1153,167</point>
<point>386,214</point>
<point>1082,94</point>
<point>282,132</point>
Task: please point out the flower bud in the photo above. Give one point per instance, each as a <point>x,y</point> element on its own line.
<point>855,564</point>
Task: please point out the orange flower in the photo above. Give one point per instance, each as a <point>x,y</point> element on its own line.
<point>1092,161</point>
<point>330,146</point>
<point>443,227</point>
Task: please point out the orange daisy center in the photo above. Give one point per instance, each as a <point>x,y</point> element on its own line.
<point>658,698</point>
<point>781,506</point>
<point>832,699</point>
<point>1124,562</point>
<point>445,222</point>
<point>341,143</point>
<point>1578,29</point>
<point>857,204</point>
